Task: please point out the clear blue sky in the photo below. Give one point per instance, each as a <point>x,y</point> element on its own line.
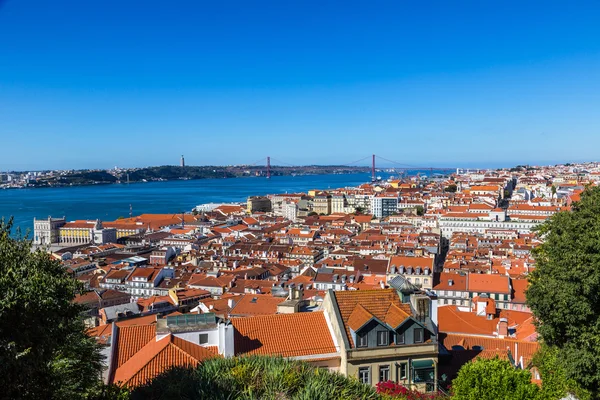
<point>450,83</point>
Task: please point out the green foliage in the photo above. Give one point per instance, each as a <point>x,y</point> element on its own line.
<point>451,188</point>
<point>555,384</point>
<point>493,380</point>
<point>565,289</point>
<point>253,378</point>
<point>420,210</point>
<point>44,352</point>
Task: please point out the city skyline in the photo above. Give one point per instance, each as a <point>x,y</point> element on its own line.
<point>89,86</point>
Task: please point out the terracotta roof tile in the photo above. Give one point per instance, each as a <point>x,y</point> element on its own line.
<point>488,283</point>
<point>131,339</point>
<point>359,317</point>
<point>256,304</point>
<point>376,302</point>
<point>395,316</point>
<point>158,356</point>
<point>492,346</point>
<point>288,335</point>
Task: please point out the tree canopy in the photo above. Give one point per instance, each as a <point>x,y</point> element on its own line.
<point>452,188</point>
<point>493,380</point>
<point>44,352</point>
<point>564,294</point>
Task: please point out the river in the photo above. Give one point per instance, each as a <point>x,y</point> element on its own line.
<point>108,202</point>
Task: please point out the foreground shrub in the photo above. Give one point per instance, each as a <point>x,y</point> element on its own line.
<point>253,378</point>
<point>390,389</point>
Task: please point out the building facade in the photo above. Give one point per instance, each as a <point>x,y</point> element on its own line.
<point>46,231</point>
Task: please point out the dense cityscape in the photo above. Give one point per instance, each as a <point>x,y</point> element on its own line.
<point>278,200</point>
<point>402,280</point>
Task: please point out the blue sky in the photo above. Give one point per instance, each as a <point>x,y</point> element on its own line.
<point>135,83</point>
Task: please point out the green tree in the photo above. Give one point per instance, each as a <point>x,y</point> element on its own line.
<point>44,352</point>
<point>555,384</point>
<point>451,188</point>
<point>493,380</point>
<point>564,294</point>
<point>420,210</point>
<point>553,189</point>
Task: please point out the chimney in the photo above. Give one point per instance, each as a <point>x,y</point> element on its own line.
<point>230,303</point>
<point>210,307</point>
<point>503,328</point>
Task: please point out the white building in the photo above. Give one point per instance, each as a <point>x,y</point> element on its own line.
<point>384,206</point>
<point>45,231</point>
<point>290,210</point>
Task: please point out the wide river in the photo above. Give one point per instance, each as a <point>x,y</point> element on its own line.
<point>108,202</point>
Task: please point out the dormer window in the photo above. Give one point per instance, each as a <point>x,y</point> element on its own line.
<point>383,338</point>
<point>400,338</point>
<point>418,335</point>
<point>362,339</point>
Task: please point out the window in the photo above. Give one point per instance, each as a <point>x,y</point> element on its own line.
<point>418,335</point>
<point>362,340</point>
<point>400,338</point>
<point>383,338</point>
<point>203,338</point>
<point>364,375</point>
<point>384,373</point>
<point>403,371</point>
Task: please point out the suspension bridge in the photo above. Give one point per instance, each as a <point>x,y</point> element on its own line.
<point>397,167</point>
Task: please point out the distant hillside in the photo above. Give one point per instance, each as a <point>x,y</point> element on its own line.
<point>171,172</point>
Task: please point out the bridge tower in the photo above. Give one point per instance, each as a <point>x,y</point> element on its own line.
<point>373,169</point>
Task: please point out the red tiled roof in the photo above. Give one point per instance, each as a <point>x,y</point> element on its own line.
<point>488,283</point>
<point>376,302</point>
<point>359,317</point>
<point>395,316</point>
<point>131,339</point>
<point>158,356</point>
<point>288,335</point>
<point>492,346</point>
<point>256,304</point>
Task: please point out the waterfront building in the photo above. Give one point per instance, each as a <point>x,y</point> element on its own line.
<point>258,204</point>
<point>46,231</point>
<point>85,232</point>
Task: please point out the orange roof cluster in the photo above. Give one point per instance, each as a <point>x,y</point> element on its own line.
<point>358,306</point>
<point>155,357</point>
<point>287,335</point>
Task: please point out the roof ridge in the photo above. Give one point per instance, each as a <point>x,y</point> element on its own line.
<point>180,350</point>
<point>141,355</point>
